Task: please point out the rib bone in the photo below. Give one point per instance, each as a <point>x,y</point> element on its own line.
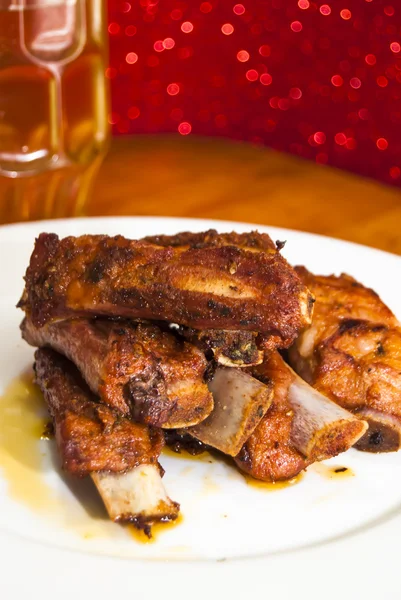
<point>240,401</point>
<point>137,497</point>
<point>321,429</point>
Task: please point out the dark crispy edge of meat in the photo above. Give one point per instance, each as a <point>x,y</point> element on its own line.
<point>240,347</point>
<point>91,437</point>
<point>252,239</point>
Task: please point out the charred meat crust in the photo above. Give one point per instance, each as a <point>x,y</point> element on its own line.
<point>91,437</point>
<point>209,287</point>
<point>239,348</point>
<point>179,441</point>
<point>136,368</point>
<point>252,240</point>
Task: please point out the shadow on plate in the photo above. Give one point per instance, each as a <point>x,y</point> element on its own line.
<point>83,489</point>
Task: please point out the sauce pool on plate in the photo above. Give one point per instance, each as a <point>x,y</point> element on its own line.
<point>23,419</point>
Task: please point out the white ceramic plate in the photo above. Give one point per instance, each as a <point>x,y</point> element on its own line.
<point>320,538</point>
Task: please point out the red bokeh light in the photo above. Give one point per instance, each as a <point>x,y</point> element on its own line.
<point>131,58</point>
<point>296,26</point>
<point>303,4</point>
<point>382,81</point>
<point>187,27</point>
<point>227,29</point>
<point>266,79</point>
<point>239,9</point>
<point>173,89</point>
<point>355,83</point>
<point>176,14</point>
<point>370,59</point>
<point>340,139</point>
<point>130,30</point>
<point>206,7</point>
<point>319,137</point>
<point>264,50</point>
<point>382,143</point>
<point>295,93</point>
<point>243,56</point>
<point>168,43</point>
<point>337,80</point>
<point>395,172</point>
<point>114,28</point>
<point>252,75</point>
<point>345,14</point>
<point>158,46</point>
<point>184,128</point>
<point>325,10</point>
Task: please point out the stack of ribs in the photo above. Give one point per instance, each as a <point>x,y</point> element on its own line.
<point>141,338</point>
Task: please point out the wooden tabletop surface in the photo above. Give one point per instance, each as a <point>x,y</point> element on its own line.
<point>214,178</point>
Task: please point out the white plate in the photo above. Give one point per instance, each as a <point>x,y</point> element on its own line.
<point>320,538</point>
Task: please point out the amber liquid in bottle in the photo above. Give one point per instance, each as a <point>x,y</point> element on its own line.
<point>53,106</point>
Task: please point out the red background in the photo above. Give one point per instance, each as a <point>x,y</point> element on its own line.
<point>321,80</point>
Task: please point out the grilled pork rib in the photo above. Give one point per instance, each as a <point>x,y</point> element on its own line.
<point>91,436</point>
<point>352,354</point>
<point>135,368</point>
<point>93,439</point>
<point>301,427</point>
<point>218,286</point>
<point>230,348</point>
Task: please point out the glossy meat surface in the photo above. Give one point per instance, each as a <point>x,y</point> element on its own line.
<point>268,454</point>
<point>91,437</point>
<point>352,353</point>
<point>135,368</point>
<point>219,286</point>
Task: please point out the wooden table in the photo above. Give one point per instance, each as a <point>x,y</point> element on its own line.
<point>214,178</point>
